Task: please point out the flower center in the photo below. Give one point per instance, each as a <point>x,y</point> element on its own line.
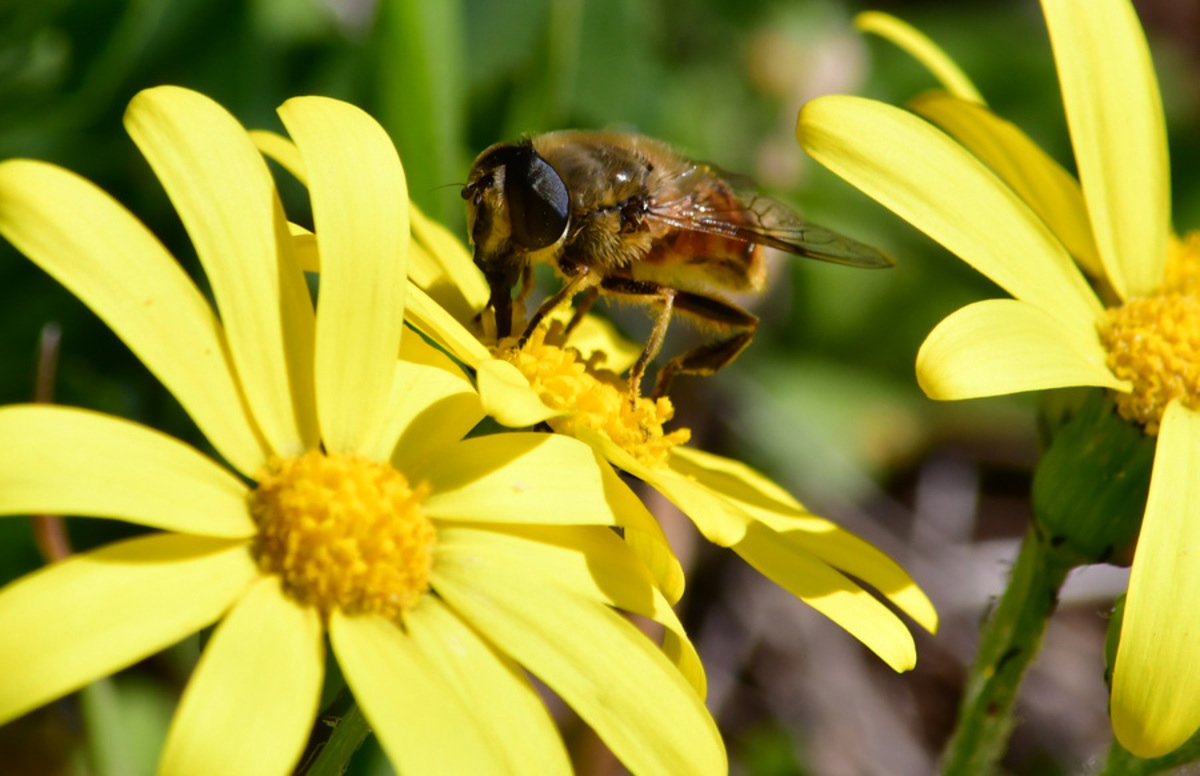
<point>596,398</point>
<point>1154,341</point>
<point>343,532</point>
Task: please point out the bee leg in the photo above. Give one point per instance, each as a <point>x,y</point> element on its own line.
<point>653,343</point>
<point>707,359</point>
<point>526,283</point>
<point>649,292</point>
<point>581,309</point>
<point>583,280</point>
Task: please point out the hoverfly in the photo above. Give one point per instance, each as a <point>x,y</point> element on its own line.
<point>625,215</point>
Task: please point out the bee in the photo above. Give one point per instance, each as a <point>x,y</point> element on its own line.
<point>625,215</point>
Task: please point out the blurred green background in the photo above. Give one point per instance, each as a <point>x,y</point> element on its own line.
<point>824,400</point>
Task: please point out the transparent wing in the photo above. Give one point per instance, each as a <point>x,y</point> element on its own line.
<point>712,202</point>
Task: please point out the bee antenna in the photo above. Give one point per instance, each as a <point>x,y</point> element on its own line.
<point>448,185</point>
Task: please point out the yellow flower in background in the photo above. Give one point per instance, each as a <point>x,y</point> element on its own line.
<point>441,568</point>
<point>1002,205</point>
<point>573,384</point>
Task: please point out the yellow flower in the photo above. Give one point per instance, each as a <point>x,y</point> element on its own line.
<point>574,386</point>
<point>1000,203</point>
<point>440,567</point>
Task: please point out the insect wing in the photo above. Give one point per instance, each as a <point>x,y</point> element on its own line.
<point>727,205</point>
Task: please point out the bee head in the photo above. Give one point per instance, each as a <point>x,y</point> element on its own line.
<point>516,205</point>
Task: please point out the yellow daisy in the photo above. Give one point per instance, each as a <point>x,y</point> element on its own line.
<point>439,567</point>
<point>997,201</point>
<point>578,391</point>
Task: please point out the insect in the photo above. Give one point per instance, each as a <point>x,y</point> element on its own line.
<point>625,215</point>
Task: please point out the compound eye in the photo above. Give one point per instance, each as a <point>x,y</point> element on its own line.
<point>538,202</point>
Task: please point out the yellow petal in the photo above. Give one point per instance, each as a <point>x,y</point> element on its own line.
<point>775,508</point>
<point>98,612</point>
<point>517,478</point>
<point>942,189</point>
<point>360,213</point>
<point>282,150</point>
<point>829,592</point>
<point>58,460</point>
<point>507,706</point>
<point>720,521</point>
<point>593,658</point>
<point>423,726</point>
<point>432,406</point>
<point>225,196</point>
<point>507,396</point>
<point>108,259</point>
<point>304,248</point>
<point>1115,114</point>
<point>433,320</point>
<point>458,285</point>
<point>644,535</point>
<point>922,49</point>
<point>1002,346</point>
<point>1039,180</point>
<point>593,563</point>
<point>251,702</point>
<point>593,334</point>
<point>1156,688</point>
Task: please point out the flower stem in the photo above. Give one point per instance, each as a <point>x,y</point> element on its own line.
<point>1008,643</point>
<point>347,735</point>
<point>106,735</point>
<point>49,531</point>
<point>1122,763</point>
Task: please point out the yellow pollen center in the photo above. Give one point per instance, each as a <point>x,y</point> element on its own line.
<point>343,532</point>
<point>595,398</point>
<point>1154,341</point>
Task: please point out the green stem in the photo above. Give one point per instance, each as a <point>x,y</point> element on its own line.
<point>1008,643</point>
<point>1122,763</point>
<point>347,735</point>
<point>105,733</point>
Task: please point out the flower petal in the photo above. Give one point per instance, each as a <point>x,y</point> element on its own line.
<point>65,461</point>
<point>1002,346</point>
<point>304,248</point>
<point>251,702</point>
<point>593,563</point>
<point>1115,113</point>
<point>919,47</point>
<point>720,521</point>
<point>517,478</point>
<point>360,211</point>
<point>1156,688</point>
<point>453,279</point>
<point>98,612</point>
<point>432,406</point>
<point>644,535</point>
<point>438,262</point>
<point>433,320</point>
<point>507,706</point>
<point>593,658</point>
<point>775,508</point>
<point>831,593</point>
<point>942,189</point>
<point>226,197</point>
<point>1039,180</point>
<point>282,150</point>
<point>108,259</point>
<point>423,726</point>
<point>593,334</point>
<point>507,396</point>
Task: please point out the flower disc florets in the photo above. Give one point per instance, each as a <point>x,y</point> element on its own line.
<point>1154,341</point>
<point>343,532</point>
<point>595,398</point>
